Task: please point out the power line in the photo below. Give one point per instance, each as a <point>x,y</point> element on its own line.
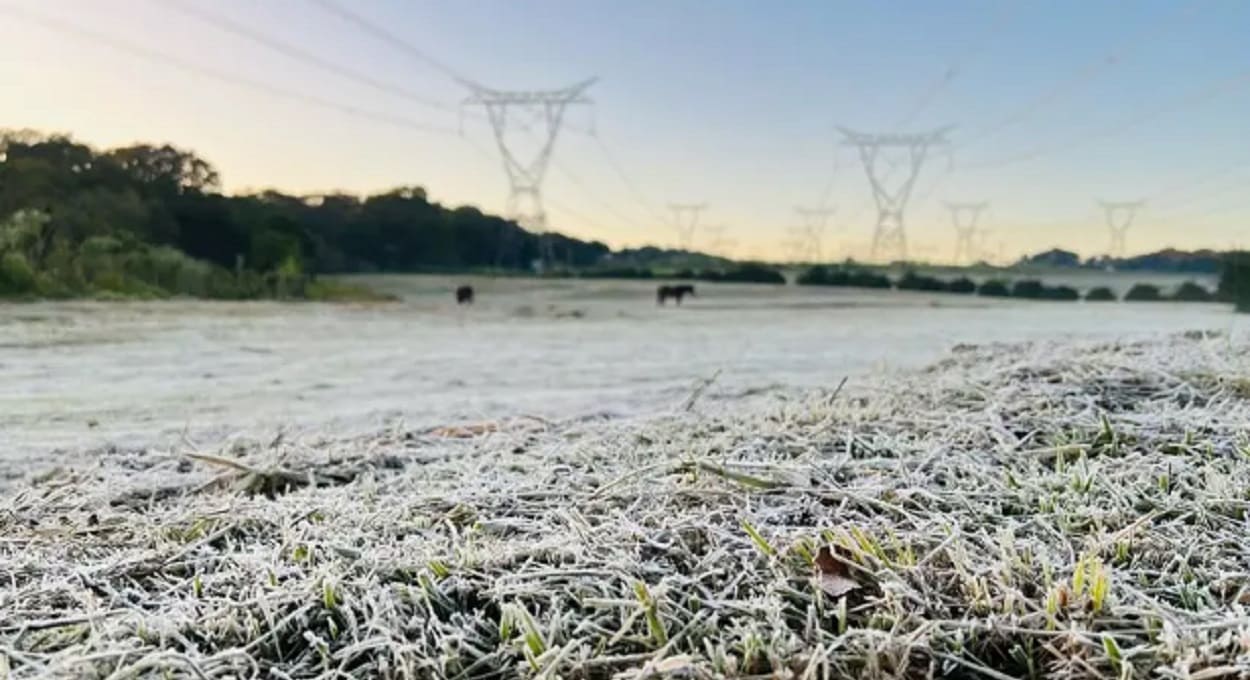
<point>1049,97</point>
<point>827,194</point>
<point>575,179</point>
<point>59,26</point>
<point>1176,215</point>
<point>229,25</point>
<point>1212,90</point>
<point>1185,187</point>
<point>616,166</point>
<point>1086,73</point>
<point>954,69</point>
<point>390,38</point>
<point>541,110</point>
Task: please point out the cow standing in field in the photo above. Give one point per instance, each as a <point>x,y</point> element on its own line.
<point>663,293</point>
<point>464,295</point>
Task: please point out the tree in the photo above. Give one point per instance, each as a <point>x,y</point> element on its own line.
<point>159,210</point>
<point>165,169</point>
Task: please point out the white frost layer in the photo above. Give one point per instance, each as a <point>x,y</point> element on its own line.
<point>1055,509</point>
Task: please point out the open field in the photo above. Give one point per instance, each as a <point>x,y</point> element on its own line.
<point>83,375</point>
<point>1056,509</point>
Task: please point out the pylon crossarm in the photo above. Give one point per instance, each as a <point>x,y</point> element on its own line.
<point>574,94</point>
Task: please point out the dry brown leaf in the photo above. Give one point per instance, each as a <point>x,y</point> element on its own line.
<point>833,576</point>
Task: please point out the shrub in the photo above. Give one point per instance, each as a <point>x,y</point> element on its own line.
<point>861,278</point>
<point>1192,292</point>
<point>1101,294</point>
<point>962,285</point>
<point>1029,289</point>
<point>913,281</point>
<point>619,273</point>
<point>821,275</point>
<point>17,277</point>
<point>1063,293</point>
<point>1235,280</point>
<point>1143,292</point>
<point>746,273</point>
<point>994,288</point>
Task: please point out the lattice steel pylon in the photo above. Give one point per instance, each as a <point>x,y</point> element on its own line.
<point>718,243</point>
<point>982,245</point>
<point>811,231</point>
<point>686,222</point>
<point>965,217</point>
<point>525,179</point>
<point>890,233</point>
<point>1120,216</point>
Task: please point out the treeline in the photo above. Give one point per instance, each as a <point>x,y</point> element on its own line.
<point>152,220</point>
<point>1167,260</point>
<point>728,272</point>
<point>1027,289</point>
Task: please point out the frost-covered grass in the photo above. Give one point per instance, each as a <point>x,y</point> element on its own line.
<point>1015,511</point>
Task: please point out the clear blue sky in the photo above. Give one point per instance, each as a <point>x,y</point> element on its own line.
<point>727,102</point>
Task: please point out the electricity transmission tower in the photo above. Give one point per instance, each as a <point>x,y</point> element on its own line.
<point>718,243</point>
<point>983,247</point>
<point>795,246</point>
<point>965,217</point>
<point>508,109</point>
<point>686,221</point>
<point>889,234</point>
<point>1120,217</point>
<point>811,231</point>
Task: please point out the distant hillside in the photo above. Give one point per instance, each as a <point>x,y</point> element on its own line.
<point>1167,260</point>
<point>1051,258</point>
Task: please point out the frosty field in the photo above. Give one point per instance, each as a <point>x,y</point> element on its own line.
<point>1061,509</point>
<point>76,376</point>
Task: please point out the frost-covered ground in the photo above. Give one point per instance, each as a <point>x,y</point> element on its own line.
<point>76,376</point>
<point>1066,509</point>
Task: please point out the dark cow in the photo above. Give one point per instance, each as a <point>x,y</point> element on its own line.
<point>663,293</point>
<point>464,295</point>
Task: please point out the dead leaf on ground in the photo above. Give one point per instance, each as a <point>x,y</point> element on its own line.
<point>833,576</point>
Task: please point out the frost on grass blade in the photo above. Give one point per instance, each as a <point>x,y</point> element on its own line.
<point>1018,511</point>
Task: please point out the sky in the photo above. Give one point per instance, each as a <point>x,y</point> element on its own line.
<point>734,104</point>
